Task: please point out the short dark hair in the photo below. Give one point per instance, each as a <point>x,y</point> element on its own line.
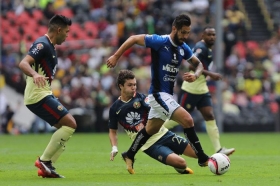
<point>181,20</point>
<point>123,76</point>
<point>59,21</point>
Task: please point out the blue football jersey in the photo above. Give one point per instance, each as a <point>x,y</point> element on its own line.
<point>166,59</point>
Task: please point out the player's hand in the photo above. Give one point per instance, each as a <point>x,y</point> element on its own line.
<point>216,76</point>
<point>189,77</point>
<point>114,152</point>
<point>112,61</point>
<point>39,80</point>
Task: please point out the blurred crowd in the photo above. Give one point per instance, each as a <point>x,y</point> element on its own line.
<point>251,83</point>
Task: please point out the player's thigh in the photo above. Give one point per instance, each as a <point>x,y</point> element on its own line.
<point>159,152</point>
<point>67,120</point>
<point>180,115</point>
<point>205,106</point>
<point>49,109</point>
<point>167,149</point>
<point>162,105</point>
<point>154,125</point>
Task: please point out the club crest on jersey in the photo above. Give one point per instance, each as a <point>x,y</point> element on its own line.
<point>182,52</point>
<point>136,104</point>
<point>60,107</point>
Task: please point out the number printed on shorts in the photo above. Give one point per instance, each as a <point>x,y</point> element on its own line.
<point>178,139</point>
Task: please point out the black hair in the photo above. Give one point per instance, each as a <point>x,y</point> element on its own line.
<point>123,76</point>
<point>59,21</point>
<point>181,20</point>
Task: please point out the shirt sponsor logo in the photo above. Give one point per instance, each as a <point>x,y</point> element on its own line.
<point>132,117</point>
<point>170,68</point>
<point>169,78</point>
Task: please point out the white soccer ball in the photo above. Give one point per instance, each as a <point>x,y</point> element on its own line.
<point>219,163</point>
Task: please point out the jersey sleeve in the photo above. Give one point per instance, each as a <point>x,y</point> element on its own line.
<point>113,119</point>
<point>199,52</point>
<point>38,51</point>
<point>188,52</point>
<point>145,101</point>
<point>154,41</point>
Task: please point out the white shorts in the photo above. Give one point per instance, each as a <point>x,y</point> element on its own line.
<point>162,105</point>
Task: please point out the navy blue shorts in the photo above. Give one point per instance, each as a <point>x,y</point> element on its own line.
<point>167,144</point>
<point>49,109</point>
<point>190,101</point>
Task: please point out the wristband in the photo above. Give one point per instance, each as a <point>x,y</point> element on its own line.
<point>114,148</point>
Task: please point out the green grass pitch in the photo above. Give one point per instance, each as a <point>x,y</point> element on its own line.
<point>86,161</point>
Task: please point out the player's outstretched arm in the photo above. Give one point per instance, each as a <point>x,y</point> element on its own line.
<point>132,40</point>
<point>114,143</point>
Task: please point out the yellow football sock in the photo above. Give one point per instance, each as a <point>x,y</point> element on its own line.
<point>170,124</point>
<point>213,133</point>
<point>58,153</point>
<point>57,142</point>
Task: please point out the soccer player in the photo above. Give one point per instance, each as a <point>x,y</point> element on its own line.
<point>167,52</point>
<point>196,94</point>
<point>39,65</point>
<point>131,112</point>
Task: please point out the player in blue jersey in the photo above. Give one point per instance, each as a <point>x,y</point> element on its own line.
<point>131,112</point>
<point>196,94</point>
<point>39,65</point>
<point>167,52</point>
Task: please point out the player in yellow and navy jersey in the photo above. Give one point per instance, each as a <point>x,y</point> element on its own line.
<point>196,94</point>
<point>39,66</point>
<point>131,110</point>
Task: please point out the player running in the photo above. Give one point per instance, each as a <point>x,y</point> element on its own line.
<point>167,52</point>
<point>196,94</point>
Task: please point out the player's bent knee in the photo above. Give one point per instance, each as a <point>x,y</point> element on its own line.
<point>187,122</point>
<point>69,121</point>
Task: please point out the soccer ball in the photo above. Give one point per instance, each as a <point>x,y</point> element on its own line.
<point>219,163</point>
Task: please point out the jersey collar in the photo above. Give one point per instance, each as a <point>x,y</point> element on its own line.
<point>172,41</point>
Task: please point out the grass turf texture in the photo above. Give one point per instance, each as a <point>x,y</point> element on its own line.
<point>86,162</point>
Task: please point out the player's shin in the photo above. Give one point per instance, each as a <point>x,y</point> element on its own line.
<point>57,141</point>
<point>190,134</point>
<point>138,142</point>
